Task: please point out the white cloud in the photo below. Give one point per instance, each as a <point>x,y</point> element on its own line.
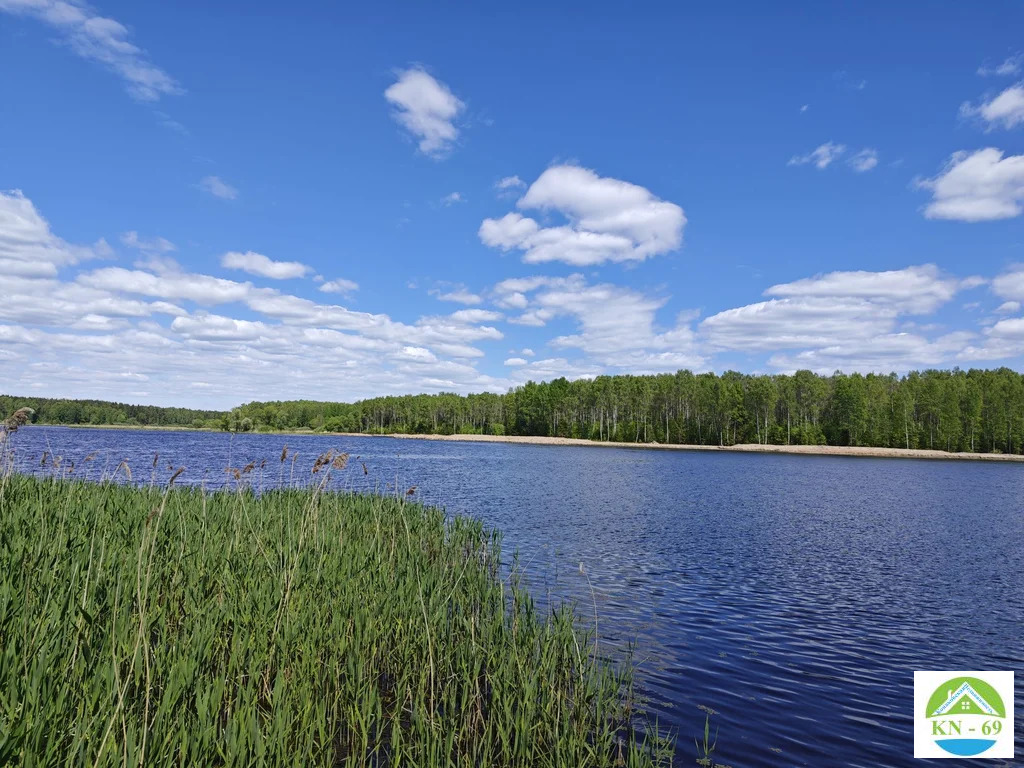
<point>340,285</point>
<point>899,352</point>
<point>794,323</point>
<point>27,246</point>
<point>846,320</point>
<point>527,352</point>
<point>258,264</point>
<point>202,289</point>
<point>476,316</point>
<point>1011,65</point>
<point>515,361</point>
<point>864,160</point>
<point>616,326</point>
<point>805,107</point>
<point>1010,284</point>
<point>102,40</point>
<point>218,187</point>
<point>452,199</point>
<point>1005,109</point>
<point>427,109</point>
<point>157,245</point>
<point>977,186</point>
<point>509,185</point>
<point>916,290</point>
<point>459,295</point>
<point>608,220</point>
<point>206,327</point>
<point>821,157</point>
<point>1008,308</point>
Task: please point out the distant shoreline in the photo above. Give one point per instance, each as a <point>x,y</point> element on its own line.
<point>793,450</point>
<point>804,450</point>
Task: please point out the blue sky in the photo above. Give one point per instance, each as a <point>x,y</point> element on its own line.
<point>202,204</point>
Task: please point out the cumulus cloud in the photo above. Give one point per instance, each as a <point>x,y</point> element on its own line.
<point>616,326</point>
<point>1010,284</point>
<point>202,289</point>
<point>515,361</point>
<point>101,40</point>
<point>427,109</point>
<point>217,187</point>
<point>258,264</point>
<point>607,220</point>
<point>899,352</point>
<point>822,156</point>
<point>847,320</point>
<point>864,160</point>
<point>915,290</point>
<point>977,186</point>
<point>27,246</point>
<point>1005,109</point>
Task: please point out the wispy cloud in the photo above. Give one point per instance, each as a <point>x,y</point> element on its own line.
<point>340,285</point>
<point>864,160</point>
<point>1011,65</point>
<point>156,245</point>
<point>217,187</point>
<point>102,40</point>
<point>452,199</point>
<point>822,156</point>
<point>459,295</point>
<point>509,185</point>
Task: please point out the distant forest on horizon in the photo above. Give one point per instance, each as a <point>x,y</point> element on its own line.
<point>953,410</point>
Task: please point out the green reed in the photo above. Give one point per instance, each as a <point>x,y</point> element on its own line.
<point>160,627</point>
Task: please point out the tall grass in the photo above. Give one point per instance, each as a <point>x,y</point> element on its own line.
<point>160,627</point>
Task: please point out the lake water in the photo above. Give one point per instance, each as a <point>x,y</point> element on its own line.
<point>793,596</point>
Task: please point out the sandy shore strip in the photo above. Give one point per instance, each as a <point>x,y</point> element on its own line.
<point>804,450</point>
<point>799,450</point>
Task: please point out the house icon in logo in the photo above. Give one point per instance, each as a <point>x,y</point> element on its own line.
<point>965,701</point>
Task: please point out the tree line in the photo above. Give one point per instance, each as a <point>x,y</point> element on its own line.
<point>976,410</point>
<point>955,410</point>
<point>100,412</point>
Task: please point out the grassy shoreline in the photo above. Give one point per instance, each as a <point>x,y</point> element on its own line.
<point>297,627</point>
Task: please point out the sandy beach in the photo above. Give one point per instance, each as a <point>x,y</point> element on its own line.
<point>801,450</point>
<point>805,450</point>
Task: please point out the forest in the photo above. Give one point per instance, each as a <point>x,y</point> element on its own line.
<point>100,412</point>
<point>955,410</point>
<point>976,410</point>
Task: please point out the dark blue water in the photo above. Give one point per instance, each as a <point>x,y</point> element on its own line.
<point>792,596</point>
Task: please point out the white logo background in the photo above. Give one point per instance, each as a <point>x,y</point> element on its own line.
<point>925,684</point>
